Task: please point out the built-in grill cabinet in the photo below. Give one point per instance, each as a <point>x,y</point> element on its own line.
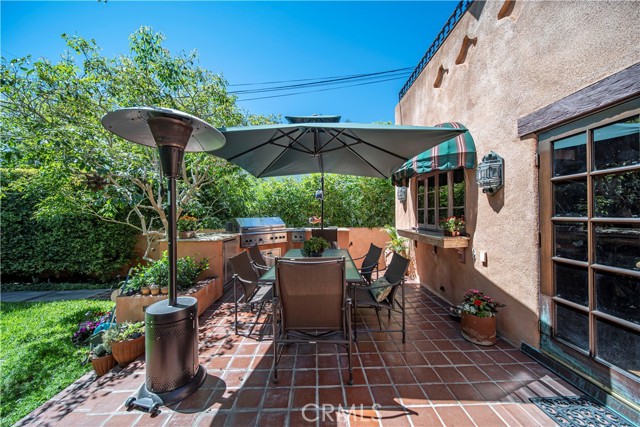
<point>260,231</point>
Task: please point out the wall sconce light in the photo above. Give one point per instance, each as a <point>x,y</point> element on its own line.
<point>489,174</point>
<point>401,193</point>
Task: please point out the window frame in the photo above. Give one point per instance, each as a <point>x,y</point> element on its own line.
<point>424,179</point>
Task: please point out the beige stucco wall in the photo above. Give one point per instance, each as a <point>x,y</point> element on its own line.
<point>540,53</point>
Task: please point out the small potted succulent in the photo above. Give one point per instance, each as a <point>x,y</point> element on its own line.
<point>315,246</point>
<point>102,359</point>
<point>164,290</point>
<point>155,289</point>
<point>144,290</point>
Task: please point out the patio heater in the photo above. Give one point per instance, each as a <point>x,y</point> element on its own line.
<point>172,369</point>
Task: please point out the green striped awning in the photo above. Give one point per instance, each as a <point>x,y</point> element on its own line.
<point>458,152</point>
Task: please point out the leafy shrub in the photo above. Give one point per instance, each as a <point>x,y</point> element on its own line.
<point>123,331</point>
<point>157,273</point>
<point>55,246</point>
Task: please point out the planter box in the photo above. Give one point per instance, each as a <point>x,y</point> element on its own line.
<point>131,308</point>
<point>125,352</point>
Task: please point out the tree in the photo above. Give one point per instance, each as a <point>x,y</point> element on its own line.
<point>51,121</point>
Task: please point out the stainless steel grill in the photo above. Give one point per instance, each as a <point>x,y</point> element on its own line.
<point>261,231</point>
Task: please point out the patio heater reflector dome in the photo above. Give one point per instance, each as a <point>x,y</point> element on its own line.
<point>171,342</point>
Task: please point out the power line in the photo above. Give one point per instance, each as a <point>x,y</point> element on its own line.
<point>318,90</point>
<point>321,83</point>
<point>318,78</point>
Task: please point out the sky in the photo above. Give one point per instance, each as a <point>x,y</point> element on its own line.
<point>253,42</point>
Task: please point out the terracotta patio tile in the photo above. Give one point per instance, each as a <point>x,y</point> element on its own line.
<point>370,360</point>
<point>401,376</point>
<point>147,420</point>
<point>244,419</point>
<point>426,375</point>
<point>439,394</point>
<point>357,395</point>
<point>303,397</point>
<point>304,418</point>
<point>305,362</point>
<point>453,416</point>
<point>306,378</point>
<point>75,419</point>
<point>466,393</point>
<point>272,418</point>
<point>394,417</point>
<point>479,358</point>
<point>425,345</point>
<point>491,392</point>
<point>512,389</point>
<point>240,362</point>
<point>249,398</point>
<point>444,345</point>
<point>327,362</point>
<point>472,374</point>
<point>358,377</point>
<point>425,417</point>
<point>198,401</point>
<point>483,415</point>
<point>449,374</point>
<point>457,358</point>
<point>330,396</point>
<point>122,420</point>
<point>328,377</point>
<point>257,379</point>
<point>263,362</point>
<point>518,355</point>
<point>496,373</point>
<point>385,396</point>
<point>285,378</point>
<point>536,413</point>
<point>366,346</point>
<point>414,358</point>
<point>103,402</point>
<point>393,359</point>
<point>411,395</point>
<point>435,358</point>
<point>515,416</point>
<point>365,417</point>
<point>276,398</point>
<point>377,376</point>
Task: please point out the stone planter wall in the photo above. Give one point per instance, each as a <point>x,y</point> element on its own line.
<point>131,308</point>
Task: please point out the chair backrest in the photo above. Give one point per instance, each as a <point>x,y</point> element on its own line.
<point>329,234</point>
<point>396,271</point>
<point>256,255</point>
<point>370,261</point>
<point>312,293</point>
<point>242,266</point>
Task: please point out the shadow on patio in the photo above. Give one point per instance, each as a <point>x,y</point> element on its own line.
<point>435,378</point>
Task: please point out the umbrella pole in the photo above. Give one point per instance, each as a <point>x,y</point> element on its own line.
<point>322,202</point>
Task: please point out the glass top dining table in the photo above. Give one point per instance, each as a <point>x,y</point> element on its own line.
<point>351,272</point>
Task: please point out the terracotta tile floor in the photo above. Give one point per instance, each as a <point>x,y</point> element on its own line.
<point>436,378</point>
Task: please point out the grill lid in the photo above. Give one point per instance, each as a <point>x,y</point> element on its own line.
<point>245,225</point>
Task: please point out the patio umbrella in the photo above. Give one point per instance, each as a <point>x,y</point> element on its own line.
<point>319,144</point>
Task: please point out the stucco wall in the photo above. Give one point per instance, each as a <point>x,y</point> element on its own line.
<point>541,52</point>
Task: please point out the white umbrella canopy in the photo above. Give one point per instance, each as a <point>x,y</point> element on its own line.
<point>318,144</point>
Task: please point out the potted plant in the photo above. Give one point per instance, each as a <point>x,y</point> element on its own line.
<point>101,359</point>
<point>315,246</point>
<point>164,290</point>
<point>452,226</point>
<point>144,290</point>
<point>187,226</point>
<point>155,289</point>
<point>126,341</point>
<point>478,323</point>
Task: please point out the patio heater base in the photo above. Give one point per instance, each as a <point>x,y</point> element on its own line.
<point>146,399</point>
<point>171,352</point>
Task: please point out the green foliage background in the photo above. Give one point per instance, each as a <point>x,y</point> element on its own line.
<point>55,246</point>
<point>55,222</point>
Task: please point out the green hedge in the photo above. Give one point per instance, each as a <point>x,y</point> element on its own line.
<point>55,247</point>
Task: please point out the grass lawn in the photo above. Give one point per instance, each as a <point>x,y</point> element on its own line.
<point>37,358</point>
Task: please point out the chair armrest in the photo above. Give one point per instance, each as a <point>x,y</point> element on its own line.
<point>370,266</point>
<point>398,283</point>
<point>261,267</point>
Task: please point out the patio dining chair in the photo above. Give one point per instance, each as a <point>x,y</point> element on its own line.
<point>254,292</point>
<point>369,262</point>
<point>381,294</point>
<point>311,305</point>
<point>258,259</point>
<point>329,234</point>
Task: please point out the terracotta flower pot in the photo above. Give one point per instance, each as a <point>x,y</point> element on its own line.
<point>127,351</point>
<point>478,330</point>
<point>164,290</point>
<point>144,290</point>
<point>155,291</point>
<point>103,364</point>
